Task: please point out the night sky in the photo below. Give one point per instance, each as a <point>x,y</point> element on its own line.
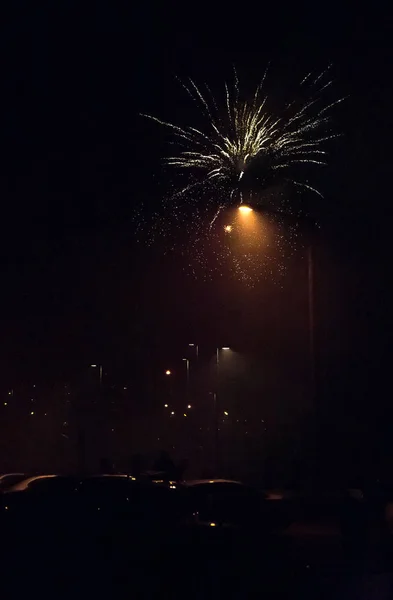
<point>76,159</point>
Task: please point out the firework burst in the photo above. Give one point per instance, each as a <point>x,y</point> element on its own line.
<point>244,152</point>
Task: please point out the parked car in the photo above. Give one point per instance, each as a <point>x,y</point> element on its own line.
<point>9,479</point>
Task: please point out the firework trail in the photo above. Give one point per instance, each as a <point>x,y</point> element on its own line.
<point>244,150</point>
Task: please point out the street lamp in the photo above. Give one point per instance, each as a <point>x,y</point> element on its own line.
<point>168,372</point>
<point>215,399</point>
<point>196,349</point>
<point>99,373</point>
<point>188,378</point>
<point>245,210</point>
<point>218,354</point>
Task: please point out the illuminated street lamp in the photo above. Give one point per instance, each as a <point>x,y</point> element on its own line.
<point>245,210</point>
<point>215,399</point>
<point>218,355</point>
<point>188,378</point>
<point>196,349</point>
<point>168,372</point>
<point>100,371</point>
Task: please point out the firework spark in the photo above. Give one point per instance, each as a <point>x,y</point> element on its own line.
<point>243,152</point>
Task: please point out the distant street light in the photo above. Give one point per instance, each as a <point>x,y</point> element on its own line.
<point>168,372</point>
<point>196,348</point>
<point>218,355</point>
<point>188,378</point>
<point>216,410</point>
<point>100,371</point>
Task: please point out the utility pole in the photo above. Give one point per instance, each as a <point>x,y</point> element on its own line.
<point>311,322</point>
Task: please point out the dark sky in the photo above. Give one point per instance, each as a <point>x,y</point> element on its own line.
<point>76,159</point>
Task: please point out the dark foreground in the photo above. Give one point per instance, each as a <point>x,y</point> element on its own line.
<point>115,537</point>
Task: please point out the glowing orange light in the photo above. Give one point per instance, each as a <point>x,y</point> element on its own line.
<point>212,524</point>
<point>245,210</point>
<point>168,372</point>
<point>228,228</point>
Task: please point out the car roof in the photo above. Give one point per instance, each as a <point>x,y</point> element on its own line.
<point>23,485</point>
<point>110,476</point>
<point>194,482</point>
<point>5,475</point>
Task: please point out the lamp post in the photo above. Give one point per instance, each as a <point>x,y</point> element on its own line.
<point>188,379</point>
<point>215,396</point>
<point>196,349</point>
<point>246,210</point>
<point>99,372</point>
<point>311,320</point>
<point>216,410</point>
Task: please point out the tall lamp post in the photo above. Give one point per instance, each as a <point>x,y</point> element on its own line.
<point>311,319</point>
<point>186,360</point>
<point>196,349</point>
<point>216,445</point>
<point>245,210</point>
<point>216,410</point>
